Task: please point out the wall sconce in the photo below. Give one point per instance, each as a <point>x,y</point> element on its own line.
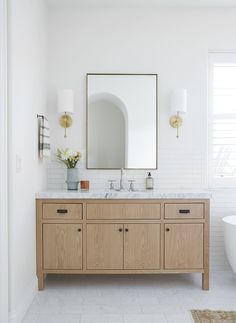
<point>178,105</point>
<point>65,106</point>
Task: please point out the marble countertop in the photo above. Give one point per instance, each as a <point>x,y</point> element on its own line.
<point>112,194</point>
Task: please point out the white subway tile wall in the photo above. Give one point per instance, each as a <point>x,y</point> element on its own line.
<point>178,169</point>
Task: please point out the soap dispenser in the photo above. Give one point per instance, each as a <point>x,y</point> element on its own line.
<point>149,182</point>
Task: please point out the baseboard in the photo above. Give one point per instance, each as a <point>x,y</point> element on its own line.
<point>17,315</point>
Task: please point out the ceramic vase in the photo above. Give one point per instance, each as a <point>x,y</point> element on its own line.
<point>72,179</point>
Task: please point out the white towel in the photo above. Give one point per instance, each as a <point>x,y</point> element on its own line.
<point>44,138</point>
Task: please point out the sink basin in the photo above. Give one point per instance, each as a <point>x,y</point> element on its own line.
<point>125,193</point>
<point>128,191</point>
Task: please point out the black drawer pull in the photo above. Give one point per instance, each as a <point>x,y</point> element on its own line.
<point>184,211</point>
<point>62,211</point>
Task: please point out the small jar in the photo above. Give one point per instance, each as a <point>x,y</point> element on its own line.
<point>84,185</point>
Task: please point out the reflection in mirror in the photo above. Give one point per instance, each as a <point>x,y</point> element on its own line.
<point>122,121</point>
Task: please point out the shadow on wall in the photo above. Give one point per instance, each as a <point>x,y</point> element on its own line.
<point>107,132</point>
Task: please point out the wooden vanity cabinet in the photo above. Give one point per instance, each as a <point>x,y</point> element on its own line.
<point>122,237</point>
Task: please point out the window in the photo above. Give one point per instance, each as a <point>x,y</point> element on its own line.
<point>222,120</point>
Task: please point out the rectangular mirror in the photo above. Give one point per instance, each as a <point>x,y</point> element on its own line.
<point>122,121</point>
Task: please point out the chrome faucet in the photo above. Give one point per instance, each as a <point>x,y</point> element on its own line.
<point>121,179</point>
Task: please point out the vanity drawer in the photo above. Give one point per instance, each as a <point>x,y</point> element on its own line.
<point>62,211</point>
<point>184,211</point>
<point>106,211</point>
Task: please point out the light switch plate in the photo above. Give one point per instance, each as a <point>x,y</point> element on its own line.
<point>18,163</point>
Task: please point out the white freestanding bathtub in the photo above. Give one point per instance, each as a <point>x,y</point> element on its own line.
<point>230,239</point>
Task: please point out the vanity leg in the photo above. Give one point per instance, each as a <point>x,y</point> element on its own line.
<point>205,280</point>
<point>40,281</point>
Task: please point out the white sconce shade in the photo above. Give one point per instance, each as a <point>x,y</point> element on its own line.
<point>65,101</point>
<point>179,101</point>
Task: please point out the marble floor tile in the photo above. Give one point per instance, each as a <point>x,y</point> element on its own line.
<point>91,318</point>
<point>128,299</point>
<point>145,318</point>
<point>179,318</point>
<point>52,318</point>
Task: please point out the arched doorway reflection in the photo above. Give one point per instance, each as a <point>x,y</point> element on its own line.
<point>107,140</point>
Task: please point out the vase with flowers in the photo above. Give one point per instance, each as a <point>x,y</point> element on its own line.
<point>70,158</point>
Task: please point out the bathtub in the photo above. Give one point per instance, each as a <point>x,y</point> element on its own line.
<point>230,239</point>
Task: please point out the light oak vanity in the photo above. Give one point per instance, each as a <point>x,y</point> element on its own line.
<point>122,236</point>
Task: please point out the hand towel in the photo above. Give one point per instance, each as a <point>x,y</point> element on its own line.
<point>44,138</point>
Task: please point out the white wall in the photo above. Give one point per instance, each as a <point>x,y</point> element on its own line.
<point>171,42</point>
<point>27,83</point>
<point>3,164</point>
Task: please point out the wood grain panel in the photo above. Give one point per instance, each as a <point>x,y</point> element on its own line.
<point>62,211</point>
<point>104,246</point>
<point>183,246</point>
<point>205,275</point>
<point>62,246</point>
<point>184,211</point>
<point>39,244</point>
<point>136,211</point>
<point>142,246</point>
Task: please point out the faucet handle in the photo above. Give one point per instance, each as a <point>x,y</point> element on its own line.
<point>112,181</point>
<point>131,185</point>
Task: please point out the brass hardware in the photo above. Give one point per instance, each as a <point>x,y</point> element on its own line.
<point>65,121</point>
<point>176,122</point>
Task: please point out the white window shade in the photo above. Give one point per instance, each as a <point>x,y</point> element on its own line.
<point>222,118</point>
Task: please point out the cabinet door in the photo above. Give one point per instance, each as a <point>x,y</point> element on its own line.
<point>183,246</point>
<point>104,246</point>
<point>62,246</point>
<point>142,246</point>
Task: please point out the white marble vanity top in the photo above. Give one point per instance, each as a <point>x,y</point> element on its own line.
<point>112,194</point>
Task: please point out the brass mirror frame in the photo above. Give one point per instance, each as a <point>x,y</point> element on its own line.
<point>157,118</point>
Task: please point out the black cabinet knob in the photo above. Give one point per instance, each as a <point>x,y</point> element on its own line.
<point>79,230</point>
<point>167,229</point>
<point>126,229</point>
<point>120,230</point>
